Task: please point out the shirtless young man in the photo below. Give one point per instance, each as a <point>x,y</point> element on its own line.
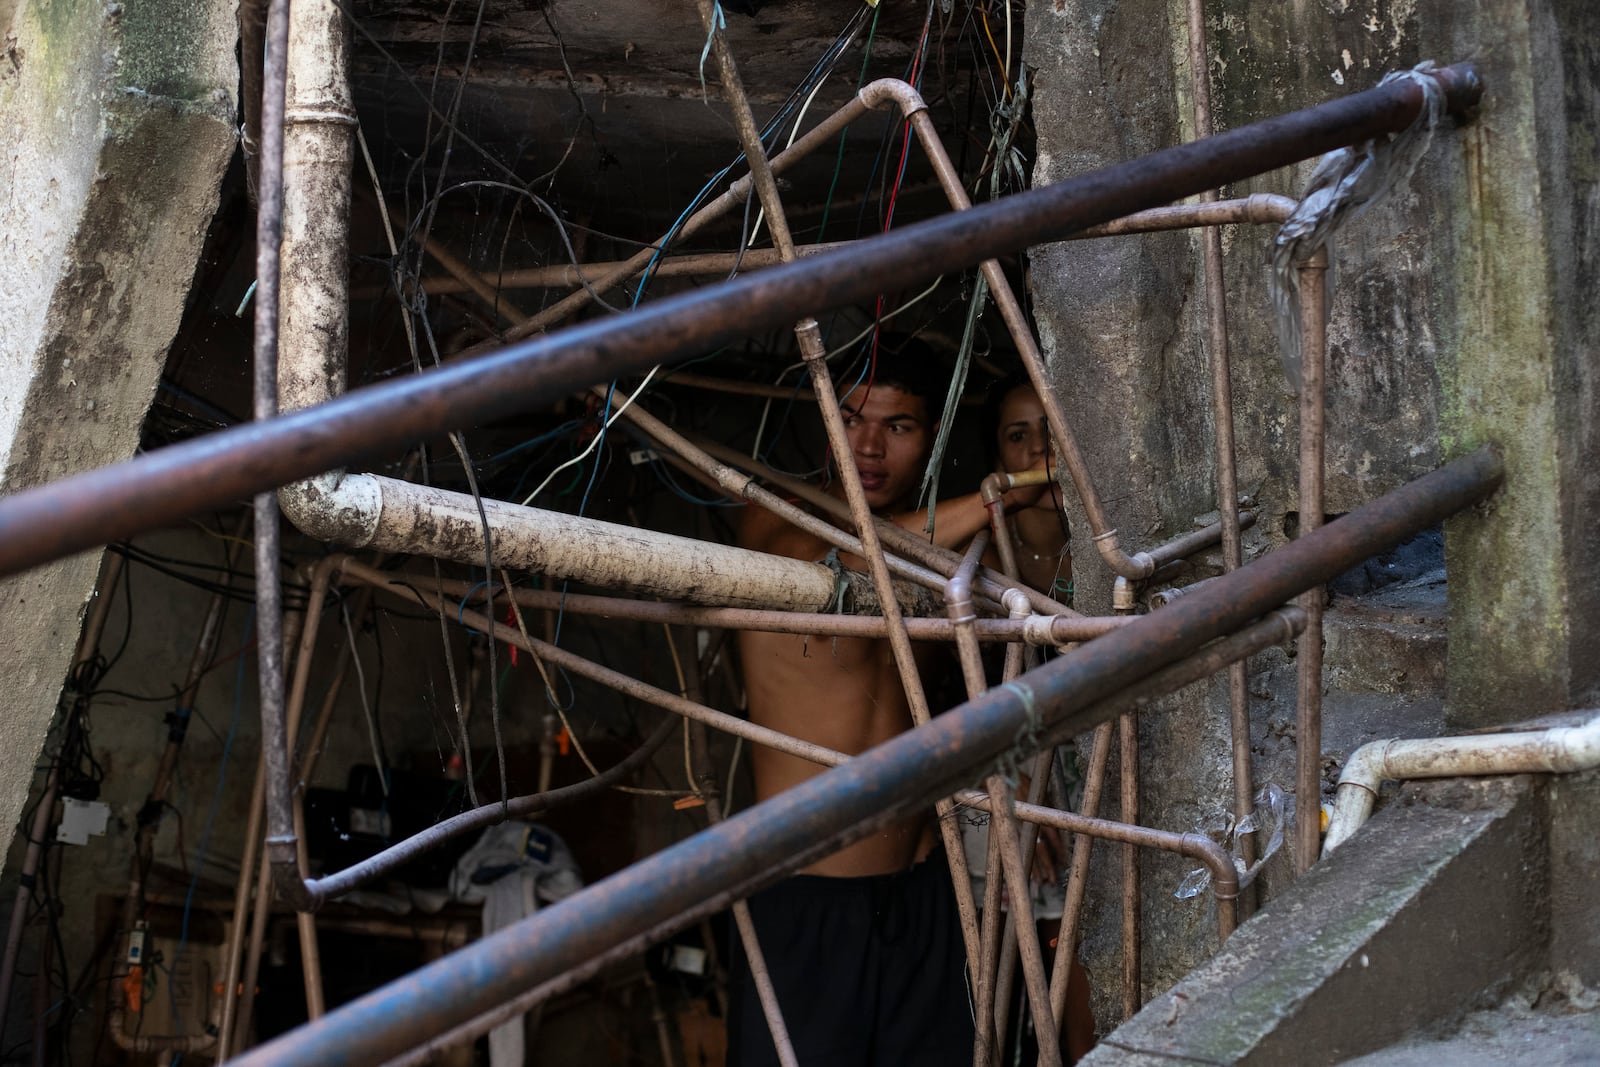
<point>864,946</point>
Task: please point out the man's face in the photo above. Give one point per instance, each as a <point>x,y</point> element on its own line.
<point>890,437</point>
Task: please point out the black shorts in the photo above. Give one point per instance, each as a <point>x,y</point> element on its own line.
<point>868,971</point>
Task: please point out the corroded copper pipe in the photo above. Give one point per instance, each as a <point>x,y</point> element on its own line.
<point>1222,407</point>
<point>161,487</point>
<point>1053,629</point>
<point>1308,717</point>
<point>1263,208</point>
<point>566,275</point>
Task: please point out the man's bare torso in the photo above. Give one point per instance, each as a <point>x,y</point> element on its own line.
<point>842,693</point>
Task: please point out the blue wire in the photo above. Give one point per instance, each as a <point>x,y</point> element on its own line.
<point>211,816</point>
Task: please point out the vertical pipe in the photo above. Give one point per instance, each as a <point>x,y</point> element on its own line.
<point>1132,990</point>
<point>1227,470</point>
<point>1078,876</point>
<point>1004,845</point>
<point>1308,725</point>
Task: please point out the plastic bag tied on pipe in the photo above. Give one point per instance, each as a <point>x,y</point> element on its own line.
<point>1344,184</point>
<point>1266,818</point>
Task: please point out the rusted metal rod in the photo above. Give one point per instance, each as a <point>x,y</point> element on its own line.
<point>1222,409</point>
<point>1263,208</point>
<point>566,275</point>
<point>1308,659</point>
<point>883,785</point>
<point>1051,629</point>
<point>162,487</point>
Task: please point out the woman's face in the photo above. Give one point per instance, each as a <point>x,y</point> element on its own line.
<point>1024,437</point>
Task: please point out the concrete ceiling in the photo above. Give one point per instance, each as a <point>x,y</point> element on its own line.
<point>608,96</point>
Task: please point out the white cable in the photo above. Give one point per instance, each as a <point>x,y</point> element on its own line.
<point>595,443</point>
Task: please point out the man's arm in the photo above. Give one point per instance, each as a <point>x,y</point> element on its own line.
<point>957,520</point>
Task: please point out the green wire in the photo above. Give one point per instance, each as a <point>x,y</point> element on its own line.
<point>838,160</point>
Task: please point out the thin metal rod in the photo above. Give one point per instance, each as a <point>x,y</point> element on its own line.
<point>1263,208</point>
<point>160,488</point>
<point>1005,857</point>
<point>814,353</point>
<point>567,275</point>
<point>1060,630</point>
<point>1308,718</point>
<point>1222,410</point>
<point>877,788</point>
<point>1132,985</point>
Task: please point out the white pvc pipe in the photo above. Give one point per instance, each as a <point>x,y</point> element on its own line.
<point>388,515</point>
<point>1557,751</point>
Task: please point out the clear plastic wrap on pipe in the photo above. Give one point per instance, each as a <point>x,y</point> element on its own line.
<point>1266,818</point>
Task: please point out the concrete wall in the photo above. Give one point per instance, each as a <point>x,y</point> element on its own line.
<point>1456,320</point>
<point>120,121</point>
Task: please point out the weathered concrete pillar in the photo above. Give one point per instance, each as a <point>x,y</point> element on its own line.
<point>1525,585</point>
<point>120,125</point>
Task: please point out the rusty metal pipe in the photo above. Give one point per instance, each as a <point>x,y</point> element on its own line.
<point>1222,409</point>
<point>1264,208</point>
<point>1033,629</point>
<point>567,275</point>
<point>162,487</point>
<point>1308,660</point>
<point>1188,544</point>
<point>333,886</point>
<point>881,786</point>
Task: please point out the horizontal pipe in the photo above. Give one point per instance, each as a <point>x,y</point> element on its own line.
<point>874,789</point>
<point>1196,540</point>
<point>566,275</point>
<point>1559,751</point>
<point>161,488</point>
<point>388,515</point>
<point>1034,629</point>
<point>898,539</point>
<point>1224,876</point>
<point>1268,208</point>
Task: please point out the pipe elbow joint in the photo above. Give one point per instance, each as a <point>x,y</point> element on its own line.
<point>1122,595</point>
<point>887,90</point>
<point>336,507</point>
<point>1367,767</point>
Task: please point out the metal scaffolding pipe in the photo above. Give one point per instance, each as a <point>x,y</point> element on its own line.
<point>1033,629</point>
<point>160,488</point>
<point>880,786</point>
